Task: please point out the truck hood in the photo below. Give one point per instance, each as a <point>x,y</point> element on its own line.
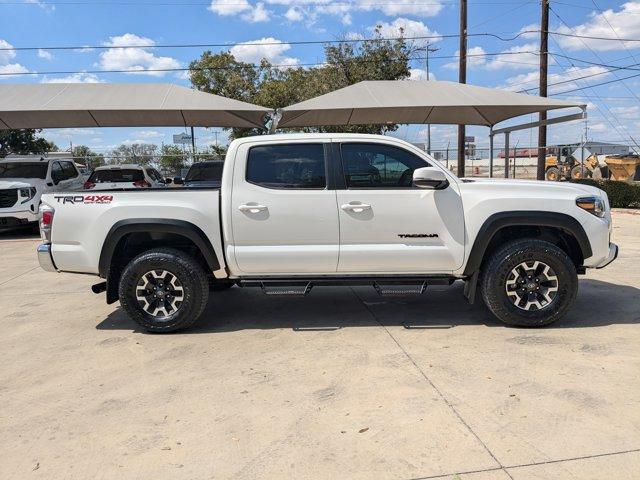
<point>16,183</point>
<point>578,188</point>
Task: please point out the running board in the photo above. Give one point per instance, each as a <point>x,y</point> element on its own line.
<point>286,290</point>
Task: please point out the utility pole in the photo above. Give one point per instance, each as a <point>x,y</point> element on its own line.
<point>429,50</point>
<point>462,78</point>
<point>544,62</point>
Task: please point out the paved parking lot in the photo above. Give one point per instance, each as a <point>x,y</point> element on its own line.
<point>340,384</point>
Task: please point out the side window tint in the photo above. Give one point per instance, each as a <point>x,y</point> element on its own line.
<point>371,165</point>
<point>57,174</point>
<point>287,166</point>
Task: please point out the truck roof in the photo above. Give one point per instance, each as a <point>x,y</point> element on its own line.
<point>316,136</point>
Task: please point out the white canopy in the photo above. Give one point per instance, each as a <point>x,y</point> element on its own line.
<point>403,101</point>
<point>59,105</point>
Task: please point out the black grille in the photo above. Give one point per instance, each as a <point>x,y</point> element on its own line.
<point>8,198</point>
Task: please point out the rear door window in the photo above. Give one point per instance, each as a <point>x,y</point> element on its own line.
<point>124,175</point>
<point>294,166</point>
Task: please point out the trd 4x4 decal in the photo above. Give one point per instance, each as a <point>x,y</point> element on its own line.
<point>73,199</point>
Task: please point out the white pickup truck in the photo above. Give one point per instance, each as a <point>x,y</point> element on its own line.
<point>298,211</point>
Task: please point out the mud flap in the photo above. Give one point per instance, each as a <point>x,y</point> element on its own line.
<point>470,286</point>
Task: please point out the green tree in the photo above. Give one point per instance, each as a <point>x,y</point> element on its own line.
<point>91,159</point>
<point>22,142</point>
<point>138,153</point>
<point>277,87</point>
<point>213,152</point>
<point>172,158</point>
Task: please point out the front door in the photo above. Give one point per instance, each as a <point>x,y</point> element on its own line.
<point>284,218</point>
<point>389,226</point>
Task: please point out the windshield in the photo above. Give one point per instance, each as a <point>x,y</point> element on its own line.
<point>23,170</point>
<point>204,172</point>
<point>126,175</point>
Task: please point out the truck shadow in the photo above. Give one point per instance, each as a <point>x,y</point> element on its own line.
<point>330,308</point>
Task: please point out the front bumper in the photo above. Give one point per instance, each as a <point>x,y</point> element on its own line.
<point>17,218</point>
<point>45,259</point>
<point>613,254</point>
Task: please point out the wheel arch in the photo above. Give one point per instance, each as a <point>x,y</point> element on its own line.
<point>542,221</point>
<point>122,230</point>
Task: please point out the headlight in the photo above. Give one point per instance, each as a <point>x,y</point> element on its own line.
<point>27,194</point>
<point>592,204</point>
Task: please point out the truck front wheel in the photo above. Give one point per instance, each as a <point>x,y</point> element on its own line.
<point>529,283</point>
<point>163,290</point>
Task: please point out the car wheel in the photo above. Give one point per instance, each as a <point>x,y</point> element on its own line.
<point>163,290</point>
<point>529,283</point>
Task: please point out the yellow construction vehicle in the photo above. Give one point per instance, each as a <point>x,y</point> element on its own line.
<point>562,165</point>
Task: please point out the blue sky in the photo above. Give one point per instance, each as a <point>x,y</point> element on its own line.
<point>614,109</point>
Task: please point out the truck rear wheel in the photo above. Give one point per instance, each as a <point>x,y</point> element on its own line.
<point>163,290</point>
<point>529,283</point>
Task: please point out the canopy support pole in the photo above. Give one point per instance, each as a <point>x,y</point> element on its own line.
<point>506,154</point>
<point>491,152</point>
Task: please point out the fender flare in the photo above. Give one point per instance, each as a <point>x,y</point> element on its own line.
<point>501,220</point>
<point>160,225</point>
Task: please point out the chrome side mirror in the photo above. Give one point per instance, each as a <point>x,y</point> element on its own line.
<point>430,177</point>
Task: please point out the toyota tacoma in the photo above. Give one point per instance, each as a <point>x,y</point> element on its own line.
<point>297,211</point>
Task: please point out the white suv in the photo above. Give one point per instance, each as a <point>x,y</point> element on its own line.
<point>23,180</point>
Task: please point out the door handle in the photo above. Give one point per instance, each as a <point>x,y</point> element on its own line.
<point>355,207</point>
<point>252,208</point>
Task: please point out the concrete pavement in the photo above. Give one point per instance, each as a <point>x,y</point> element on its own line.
<point>340,384</point>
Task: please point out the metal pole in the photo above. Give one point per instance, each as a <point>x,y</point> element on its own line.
<point>193,145</point>
<point>429,50</point>
<point>544,62</point>
<point>462,78</point>
<point>584,141</point>
<point>506,155</point>
<point>491,153</point>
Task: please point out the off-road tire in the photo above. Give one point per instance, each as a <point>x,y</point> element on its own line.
<point>190,275</point>
<point>498,267</point>
<point>577,173</point>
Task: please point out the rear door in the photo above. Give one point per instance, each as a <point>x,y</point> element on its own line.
<point>386,224</point>
<point>284,217</point>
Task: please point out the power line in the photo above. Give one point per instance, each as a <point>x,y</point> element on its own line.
<point>276,42</point>
<point>191,3</point>
<point>249,65</point>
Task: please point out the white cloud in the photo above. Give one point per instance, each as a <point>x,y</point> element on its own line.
<point>516,58</point>
<point>475,58</point>
<point>420,74</point>
<point>7,69</point>
<point>312,8</point>
<point>229,7</point>
<point>44,6</point>
<point>403,27</point>
<point>139,60</point>
<point>630,112</point>
<point>532,31</point>
<point>44,54</point>
<point>294,14</point>
<point>571,78</point>
<point>625,22</point>
<point>74,78</point>
<point>267,48</point>
<point>6,55</point>
<point>150,134</point>
<point>257,14</point>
